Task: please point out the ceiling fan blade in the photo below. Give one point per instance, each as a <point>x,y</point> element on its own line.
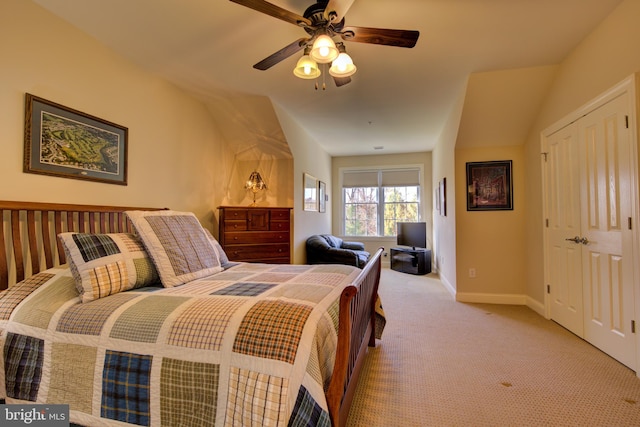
<point>341,81</point>
<point>275,11</point>
<point>281,55</point>
<point>398,38</point>
<point>339,7</point>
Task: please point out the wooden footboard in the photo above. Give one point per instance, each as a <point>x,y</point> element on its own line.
<point>28,236</point>
<point>356,331</point>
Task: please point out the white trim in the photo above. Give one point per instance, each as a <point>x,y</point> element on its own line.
<point>423,195</point>
<point>536,306</point>
<point>447,285</point>
<point>512,299</point>
<point>628,85</point>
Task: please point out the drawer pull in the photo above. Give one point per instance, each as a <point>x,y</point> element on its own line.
<point>235,238</point>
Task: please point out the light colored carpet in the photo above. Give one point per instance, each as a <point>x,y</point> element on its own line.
<point>445,363</point>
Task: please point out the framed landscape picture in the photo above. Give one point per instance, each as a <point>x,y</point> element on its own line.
<point>489,186</point>
<point>60,141</point>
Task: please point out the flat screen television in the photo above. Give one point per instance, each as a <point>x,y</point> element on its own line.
<point>412,234</point>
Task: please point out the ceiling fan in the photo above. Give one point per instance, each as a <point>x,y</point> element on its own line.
<point>321,20</point>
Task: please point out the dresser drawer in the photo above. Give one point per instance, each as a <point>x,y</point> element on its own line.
<point>257,252</point>
<point>234,225</point>
<point>280,215</point>
<point>279,226</point>
<point>235,214</point>
<point>235,238</point>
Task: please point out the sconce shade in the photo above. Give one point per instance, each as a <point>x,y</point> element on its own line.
<point>306,68</point>
<point>342,66</point>
<point>324,50</point>
<point>255,183</point>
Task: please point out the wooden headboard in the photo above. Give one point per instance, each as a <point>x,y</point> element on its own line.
<point>28,236</point>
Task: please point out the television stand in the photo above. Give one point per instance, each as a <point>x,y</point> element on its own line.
<point>412,261</point>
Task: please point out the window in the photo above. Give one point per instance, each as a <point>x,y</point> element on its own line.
<point>374,200</point>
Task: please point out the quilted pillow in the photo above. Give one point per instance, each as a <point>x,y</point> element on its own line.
<point>106,264</point>
<point>177,244</point>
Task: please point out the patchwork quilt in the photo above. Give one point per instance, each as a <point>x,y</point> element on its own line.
<point>253,345</point>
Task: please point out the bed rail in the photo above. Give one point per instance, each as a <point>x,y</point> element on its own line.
<point>356,331</point>
<point>28,236</point>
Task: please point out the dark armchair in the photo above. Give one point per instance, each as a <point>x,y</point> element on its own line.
<point>328,249</point>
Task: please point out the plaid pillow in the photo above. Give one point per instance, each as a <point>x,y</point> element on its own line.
<point>106,264</point>
<point>178,245</point>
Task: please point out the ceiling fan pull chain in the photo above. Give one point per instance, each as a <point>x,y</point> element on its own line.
<point>324,75</point>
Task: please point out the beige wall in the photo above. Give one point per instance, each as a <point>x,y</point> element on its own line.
<point>491,242</point>
<point>176,156</point>
<point>605,57</point>
<point>250,128</point>
<point>445,231</point>
<point>422,159</point>
<point>312,159</point>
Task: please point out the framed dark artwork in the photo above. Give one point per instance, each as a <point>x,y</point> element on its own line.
<point>60,141</point>
<point>322,196</point>
<point>310,195</point>
<point>489,186</point>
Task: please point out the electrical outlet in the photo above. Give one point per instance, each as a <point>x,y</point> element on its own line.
<point>472,273</point>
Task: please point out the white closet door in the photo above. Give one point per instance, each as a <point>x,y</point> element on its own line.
<point>606,208</point>
<point>563,215</point>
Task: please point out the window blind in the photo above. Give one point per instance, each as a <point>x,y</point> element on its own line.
<point>400,177</point>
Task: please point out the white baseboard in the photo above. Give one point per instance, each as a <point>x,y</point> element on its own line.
<point>447,285</point>
<point>513,299</point>
<point>536,306</point>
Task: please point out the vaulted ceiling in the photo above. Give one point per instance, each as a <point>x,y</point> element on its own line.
<point>499,54</point>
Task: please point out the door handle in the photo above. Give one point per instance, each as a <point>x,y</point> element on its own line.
<point>578,239</point>
<point>575,240</point>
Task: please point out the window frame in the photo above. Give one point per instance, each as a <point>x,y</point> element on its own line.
<point>380,188</point>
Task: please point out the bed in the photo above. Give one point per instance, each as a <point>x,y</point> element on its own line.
<point>134,316</point>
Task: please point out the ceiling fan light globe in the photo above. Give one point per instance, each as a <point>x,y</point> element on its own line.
<point>306,68</point>
<point>324,50</point>
<point>342,66</point>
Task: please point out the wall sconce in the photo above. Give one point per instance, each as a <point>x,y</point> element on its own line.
<point>255,183</point>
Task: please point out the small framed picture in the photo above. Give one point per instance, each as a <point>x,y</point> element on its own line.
<point>310,196</point>
<point>489,186</point>
<point>322,196</point>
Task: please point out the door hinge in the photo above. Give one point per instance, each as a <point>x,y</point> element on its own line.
<point>544,154</point>
<point>548,289</point>
<point>629,223</point>
<point>633,326</point>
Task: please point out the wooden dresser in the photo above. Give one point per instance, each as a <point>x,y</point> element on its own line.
<point>256,234</point>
